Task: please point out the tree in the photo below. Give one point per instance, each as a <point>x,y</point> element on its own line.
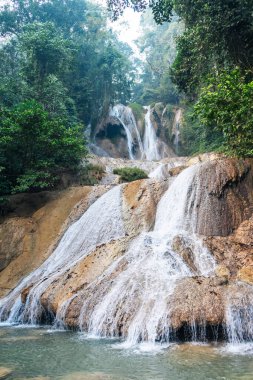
<point>60,47</point>
<point>158,43</point>
<point>226,105</point>
<point>35,148</point>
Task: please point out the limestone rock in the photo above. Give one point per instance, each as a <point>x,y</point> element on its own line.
<point>245,274</point>
<point>26,242</point>
<point>222,271</point>
<point>140,199</point>
<point>223,196</point>
<point>177,170</point>
<point>197,299</point>
<point>5,372</point>
<point>179,245</point>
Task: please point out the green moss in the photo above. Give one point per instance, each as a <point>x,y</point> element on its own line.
<point>130,174</point>
<point>138,111</point>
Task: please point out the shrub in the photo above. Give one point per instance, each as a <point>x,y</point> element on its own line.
<point>90,174</point>
<point>130,174</point>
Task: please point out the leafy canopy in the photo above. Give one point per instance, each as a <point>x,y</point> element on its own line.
<point>35,148</point>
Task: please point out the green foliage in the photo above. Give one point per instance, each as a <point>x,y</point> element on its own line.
<point>90,174</point>
<point>130,174</point>
<point>158,43</point>
<point>137,111</point>
<point>53,52</point>
<point>198,138</point>
<point>162,9</point>
<point>35,148</point>
<point>226,104</point>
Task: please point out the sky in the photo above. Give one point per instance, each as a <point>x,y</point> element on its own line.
<point>127,26</point>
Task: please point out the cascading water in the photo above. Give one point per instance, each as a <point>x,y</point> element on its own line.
<point>101,223</point>
<point>176,128</point>
<point>125,116</point>
<point>133,297</point>
<point>150,144</point>
<point>239,318</point>
<point>135,303</point>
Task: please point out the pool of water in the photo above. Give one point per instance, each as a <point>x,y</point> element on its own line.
<point>43,354</point>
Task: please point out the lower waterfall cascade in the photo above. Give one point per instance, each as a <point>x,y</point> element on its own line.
<point>132,297</point>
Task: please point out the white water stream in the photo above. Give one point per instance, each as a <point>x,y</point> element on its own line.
<point>148,148</point>
<point>101,223</point>
<point>126,117</point>
<point>150,141</point>
<point>136,303</point>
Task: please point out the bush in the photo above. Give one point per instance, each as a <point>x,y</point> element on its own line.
<point>91,174</point>
<point>130,174</point>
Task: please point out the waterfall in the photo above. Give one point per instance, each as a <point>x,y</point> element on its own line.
<point>101,223</point>
<point>176,128</point>
<point>150,141</point>
<point>132,298</point>
<point>126,117</point>
<point>239,318</point>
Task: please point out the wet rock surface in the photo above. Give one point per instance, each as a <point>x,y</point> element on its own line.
<point>25,243</point>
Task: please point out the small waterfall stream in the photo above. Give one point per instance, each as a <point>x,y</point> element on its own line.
<point>79,240</point>
<point>150,143</point>
<point>126,117</point>
<point>149,147</point>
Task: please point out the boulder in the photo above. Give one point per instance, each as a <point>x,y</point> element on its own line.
<point>5,372</point>
<point>179,245</point>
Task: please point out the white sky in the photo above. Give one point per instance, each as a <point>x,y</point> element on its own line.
<point>127,26</point>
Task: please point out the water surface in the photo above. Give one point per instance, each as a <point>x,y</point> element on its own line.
<point>41,353</point>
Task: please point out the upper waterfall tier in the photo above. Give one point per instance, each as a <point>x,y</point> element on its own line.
<point>123,135</point>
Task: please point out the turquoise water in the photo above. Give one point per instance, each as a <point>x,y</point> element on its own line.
<point>40,353</point>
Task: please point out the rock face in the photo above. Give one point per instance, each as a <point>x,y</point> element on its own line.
<point>221,195</point>
<point>31,232</point>
<point>224,196</point>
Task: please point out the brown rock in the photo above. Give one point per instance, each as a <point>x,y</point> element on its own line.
<point>179,245</point>
<point>245,274</point>
<point>27,242</point>
<point>197,299</point>
<point>5,372</point>
<point>222,271</point>
<point>175,171</point>
<point>224,196</point>
<point>140,199</point>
